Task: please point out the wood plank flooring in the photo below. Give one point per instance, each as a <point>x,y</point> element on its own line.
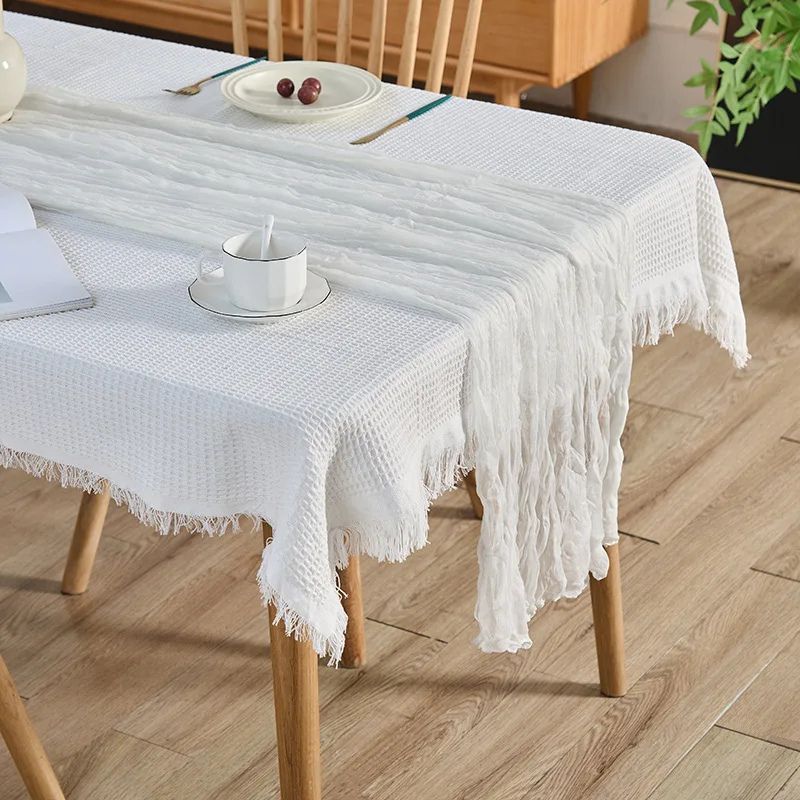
<point>156,683</point>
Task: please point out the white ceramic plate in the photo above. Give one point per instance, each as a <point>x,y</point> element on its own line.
<point>344,88</point>
<point>209,293</point>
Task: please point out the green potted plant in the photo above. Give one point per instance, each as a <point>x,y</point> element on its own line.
<point>763,62</point>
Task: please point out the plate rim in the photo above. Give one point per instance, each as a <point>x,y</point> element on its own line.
<point>374,84</point>
<point>299,113</point>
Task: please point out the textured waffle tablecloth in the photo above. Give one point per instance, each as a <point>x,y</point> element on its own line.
<point>380,384</point>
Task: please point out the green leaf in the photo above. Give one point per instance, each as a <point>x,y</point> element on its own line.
<point>698,22</point>
<point>728,51</point>
<point>727,7</point>
<point>705,140</point>
<point>740,132</point>
<point>782,77</point>
<point>706,12</point>
<point>732,99</point>
<point>768,28</point>
<point>721,116</point>
<point>707,8</point>
<point>697,111</point>
<point>744,62</point>
<point>717,129</point>
<point>696,80</point>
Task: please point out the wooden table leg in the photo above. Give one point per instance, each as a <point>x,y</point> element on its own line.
<point>472,489</point>
<point>355,644</point>
<point>582,94</point>
<point>608,628</point>
<point>23,743</point>
<point>85,539</point>
<point>296,690</point>
<point>295,683</point>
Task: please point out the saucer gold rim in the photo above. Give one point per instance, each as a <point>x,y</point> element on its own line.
<point>265,316</point>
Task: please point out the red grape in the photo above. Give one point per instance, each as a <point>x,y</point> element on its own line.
<point>307,94</point>
<point>285,87</point>
<point>315,82</point>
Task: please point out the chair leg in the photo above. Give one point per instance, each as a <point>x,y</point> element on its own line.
<point>608,628</point>
<point>472,489</point>
<point>23,743</point>
<point>355,644</point>
<point>85,539</point>
<point>295,683</point>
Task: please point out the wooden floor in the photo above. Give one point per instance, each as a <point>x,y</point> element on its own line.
<point>156,684</point>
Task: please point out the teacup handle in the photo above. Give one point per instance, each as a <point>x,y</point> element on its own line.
<point>208,261</point>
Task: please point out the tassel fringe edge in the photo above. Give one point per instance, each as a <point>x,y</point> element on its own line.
<point>376,538</point>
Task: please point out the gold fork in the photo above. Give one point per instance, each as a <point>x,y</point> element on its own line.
<point>194,88</point>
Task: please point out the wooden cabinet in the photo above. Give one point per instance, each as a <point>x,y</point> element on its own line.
<point>521,42</point>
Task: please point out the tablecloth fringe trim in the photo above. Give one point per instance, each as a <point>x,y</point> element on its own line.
<point>299,627</point>
<point>165,522</point>
<point>395,541</point>
<point>726,326</point>
<point>376,538</point>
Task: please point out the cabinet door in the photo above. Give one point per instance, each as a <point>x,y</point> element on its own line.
<point>590,31</point>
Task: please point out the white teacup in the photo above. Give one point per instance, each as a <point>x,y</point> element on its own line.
<point>269,284</point>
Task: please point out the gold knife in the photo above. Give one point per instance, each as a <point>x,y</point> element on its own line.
<point>371,137</point>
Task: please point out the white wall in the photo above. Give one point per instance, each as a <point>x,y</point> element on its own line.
<point>644,84</point>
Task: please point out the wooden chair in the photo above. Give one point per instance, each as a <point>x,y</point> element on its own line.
<point>377,39</point>
<point>23,743</point>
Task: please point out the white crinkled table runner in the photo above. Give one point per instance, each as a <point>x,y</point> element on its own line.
<point>339,426</point>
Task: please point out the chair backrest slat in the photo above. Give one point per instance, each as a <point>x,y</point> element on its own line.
<point>408,53</point>
<point>377,38</point>
<point>309,30</point>
<point>344,31</point>
<point>466,56</point>
<point>274,30</point>
<point>239,19</point>
<point>441,38</point>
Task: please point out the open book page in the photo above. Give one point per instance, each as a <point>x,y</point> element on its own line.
<point>35,278</point>
<point>15,211</point>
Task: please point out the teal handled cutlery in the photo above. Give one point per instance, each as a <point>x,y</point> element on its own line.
<point>371,137</point>
<point>194,88</point>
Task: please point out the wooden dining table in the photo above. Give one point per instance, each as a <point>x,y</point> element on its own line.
<point>620,167</point>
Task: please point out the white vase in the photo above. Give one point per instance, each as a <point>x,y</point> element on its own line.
<point>13,74</point>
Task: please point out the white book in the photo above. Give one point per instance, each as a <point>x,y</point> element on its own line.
<point>34,275</point>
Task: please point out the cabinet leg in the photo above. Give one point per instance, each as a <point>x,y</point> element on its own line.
<point>582,94</point>
<point>355,646</point>
<point>608,628</point>
<point>508,92</point>
<point>26,750</point>
<point>85,539</point>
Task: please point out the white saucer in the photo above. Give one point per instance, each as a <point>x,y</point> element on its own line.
<point>209,293</point>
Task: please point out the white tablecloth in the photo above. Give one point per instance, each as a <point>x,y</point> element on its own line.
<point>386,379</point>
